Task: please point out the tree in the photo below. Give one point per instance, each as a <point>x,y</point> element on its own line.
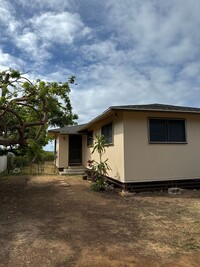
<point>99,169</point>
<point>27,109</point>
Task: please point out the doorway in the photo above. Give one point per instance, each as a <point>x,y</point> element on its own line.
<point>75,150</point>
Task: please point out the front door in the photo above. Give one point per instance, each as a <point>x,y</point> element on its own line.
<point>75,149</point>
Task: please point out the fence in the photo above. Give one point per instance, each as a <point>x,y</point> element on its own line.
<point>3,163</point>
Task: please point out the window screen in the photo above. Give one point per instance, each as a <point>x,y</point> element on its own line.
<point>90,138</point>
<point>167,130</point>
<point>106,131</point>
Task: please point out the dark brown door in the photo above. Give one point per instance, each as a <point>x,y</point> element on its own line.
<point>75,149</point>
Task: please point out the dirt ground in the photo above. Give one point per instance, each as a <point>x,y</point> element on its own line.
<point>56,221</point>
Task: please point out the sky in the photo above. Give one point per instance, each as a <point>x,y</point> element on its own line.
<point>121,52</point>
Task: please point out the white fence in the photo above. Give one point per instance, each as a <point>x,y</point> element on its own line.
<point>3,163</point>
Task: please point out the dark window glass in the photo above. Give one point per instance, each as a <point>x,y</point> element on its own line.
<point>90,138</point>
<point>158,131</point>
<point>167,130</point>
<point>106,131</point>
<point>176,130</point>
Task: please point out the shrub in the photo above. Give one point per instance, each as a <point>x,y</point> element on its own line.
<point>99,169</point>
<point>99,185</point>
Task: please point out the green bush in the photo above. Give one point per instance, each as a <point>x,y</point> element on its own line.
<point>99,185</point>
<point>48,156</point>
<point>99,168</point>
<point>20,161</point>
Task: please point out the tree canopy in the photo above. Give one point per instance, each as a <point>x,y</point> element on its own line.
<point>28,107</point>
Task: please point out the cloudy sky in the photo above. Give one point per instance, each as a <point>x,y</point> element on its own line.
<point>121,52</point>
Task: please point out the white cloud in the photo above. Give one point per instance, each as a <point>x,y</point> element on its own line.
<point>57,5</point>
<point>8,61</point>
<point>181,52</point>
<point>29,43</point>
<point>158,27</point>
<point>114,85</point>
<point>58,27</point>
<point>7,19</point>
<point>101,51</point>
<point>191,70</point>
<point>34,36</point>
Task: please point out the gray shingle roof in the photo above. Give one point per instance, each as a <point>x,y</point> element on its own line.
<point>149,107</point>
<point>75,129</point>
<point>157,107</point>
<point>71,129</point>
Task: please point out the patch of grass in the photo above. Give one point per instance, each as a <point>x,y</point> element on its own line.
<point>99,185</point>
<point>188,244</point>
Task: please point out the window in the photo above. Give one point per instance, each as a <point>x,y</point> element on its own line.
<point>167,130</point>
<point>89,138</point>
<point>106,131</point>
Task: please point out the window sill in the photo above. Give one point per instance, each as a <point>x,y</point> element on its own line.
<point>110,144</point>
<point>91,146</point>
<point>165,143</point>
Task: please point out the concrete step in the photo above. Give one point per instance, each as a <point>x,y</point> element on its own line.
<point>71,173</point>
<point>75,167</point>
<point>72,170</point>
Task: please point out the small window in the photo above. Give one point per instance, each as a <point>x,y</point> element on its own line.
<point>89,138</point>
<point>106,131</point>
<point>167,130</point>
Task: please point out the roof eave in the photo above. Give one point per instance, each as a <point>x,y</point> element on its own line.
<point>100,117</point>
<point>110,109</point>
<point>52,133</point>
<point>155,110</point>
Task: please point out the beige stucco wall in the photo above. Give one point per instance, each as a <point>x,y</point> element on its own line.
<point>114,153</point>
<point>62,151</point>
<point>85,152</point>
<point>153,162</point>
<point>56,150</point>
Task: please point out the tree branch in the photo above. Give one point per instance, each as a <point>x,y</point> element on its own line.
<point>6,142</point>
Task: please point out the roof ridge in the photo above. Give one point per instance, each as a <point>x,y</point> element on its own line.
<point>154,105</point>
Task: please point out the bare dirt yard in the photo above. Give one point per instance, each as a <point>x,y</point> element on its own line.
<point>52,220</point>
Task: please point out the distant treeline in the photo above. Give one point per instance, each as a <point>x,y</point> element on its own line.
<point>48,155</point>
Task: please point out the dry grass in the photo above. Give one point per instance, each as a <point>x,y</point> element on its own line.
<point>49,220</point>
<point>46,168</point>
<point>171,224</point>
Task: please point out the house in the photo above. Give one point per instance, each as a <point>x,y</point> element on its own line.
<point>148,145</point>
